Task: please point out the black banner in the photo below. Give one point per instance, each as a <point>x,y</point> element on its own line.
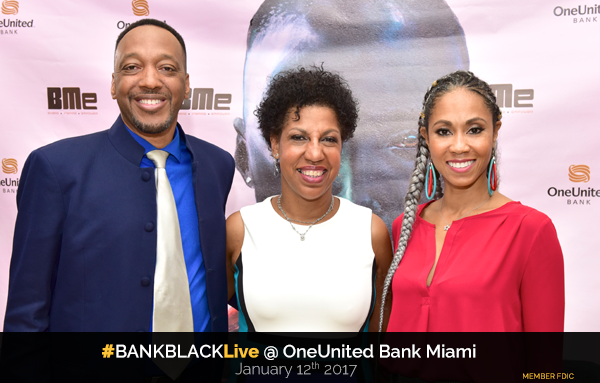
<point>322,357</point>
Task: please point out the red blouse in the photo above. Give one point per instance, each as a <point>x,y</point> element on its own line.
<point>501,270</point>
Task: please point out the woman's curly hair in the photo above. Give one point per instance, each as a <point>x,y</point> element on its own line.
<point>297,88</point>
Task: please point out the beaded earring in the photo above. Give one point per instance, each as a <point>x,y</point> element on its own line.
<point>492,181</point>
<point>430,182</point>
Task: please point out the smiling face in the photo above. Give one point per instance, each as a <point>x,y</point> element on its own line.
<point>388,51</point>
<point>150,81</point>
<point>309,151</point>
<point>460,136</point>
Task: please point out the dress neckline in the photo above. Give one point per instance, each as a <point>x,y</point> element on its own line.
<point>272,209</point>
<point>423,206</point>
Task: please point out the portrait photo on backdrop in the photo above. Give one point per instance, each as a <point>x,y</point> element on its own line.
<point>387,51</point>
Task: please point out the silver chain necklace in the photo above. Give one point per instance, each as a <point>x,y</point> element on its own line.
<point>449,224</point>
<point>310,223</point>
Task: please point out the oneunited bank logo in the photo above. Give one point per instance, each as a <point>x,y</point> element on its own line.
<point>579,173</point>
<point>9,166</point>
<point>10,7</point>
<point>581,14</point>
<point>576,195</point>
<point>10,26</point>
<point>8,184</point>
<point>140,8</point>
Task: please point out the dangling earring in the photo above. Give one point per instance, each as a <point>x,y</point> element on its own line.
<point>430,181</point>
<point>492,181</point>
<point>276,160</point>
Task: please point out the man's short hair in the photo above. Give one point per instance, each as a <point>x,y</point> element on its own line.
<point>156,23</point>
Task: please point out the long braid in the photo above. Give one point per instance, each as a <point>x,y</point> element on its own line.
<point>458,79</point>
<point>411,204</point>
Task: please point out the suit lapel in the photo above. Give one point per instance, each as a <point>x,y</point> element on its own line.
<point>126,145</point>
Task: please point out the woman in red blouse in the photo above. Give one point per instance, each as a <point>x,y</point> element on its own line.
<point>472,259</point>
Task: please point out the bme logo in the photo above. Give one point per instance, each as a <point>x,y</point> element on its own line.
<point>504,96</point>
<point>202,99</point>
<point>70,98</point>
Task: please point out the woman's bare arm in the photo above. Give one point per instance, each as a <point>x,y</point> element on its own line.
<point>235,239</point>
<point>382,247</point>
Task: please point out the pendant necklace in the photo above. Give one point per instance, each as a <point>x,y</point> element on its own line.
<point>449,224</point>
<point>310,223</point>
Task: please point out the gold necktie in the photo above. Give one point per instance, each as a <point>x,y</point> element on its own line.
<point>172,305</point>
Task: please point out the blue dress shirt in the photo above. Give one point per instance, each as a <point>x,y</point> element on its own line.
<point>179,172</point>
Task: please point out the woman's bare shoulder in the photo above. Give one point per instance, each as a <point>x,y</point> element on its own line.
<point>234,227</point>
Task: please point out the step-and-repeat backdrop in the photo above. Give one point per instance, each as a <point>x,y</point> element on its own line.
<point>56,60</point>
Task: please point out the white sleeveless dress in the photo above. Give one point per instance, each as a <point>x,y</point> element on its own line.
<point>324,283</point>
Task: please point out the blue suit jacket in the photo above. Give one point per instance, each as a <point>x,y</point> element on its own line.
<point>84,248</point>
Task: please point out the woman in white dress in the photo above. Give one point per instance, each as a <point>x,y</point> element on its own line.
<point>305,260</point>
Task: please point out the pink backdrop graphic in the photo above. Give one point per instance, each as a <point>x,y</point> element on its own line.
<point>57,60</point>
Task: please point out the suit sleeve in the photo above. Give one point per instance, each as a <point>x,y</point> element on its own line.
<point>543,283</point>
<point>229,180</point>
<point>36,246</point>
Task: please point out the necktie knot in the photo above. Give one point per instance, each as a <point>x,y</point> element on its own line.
<point>159,157</point>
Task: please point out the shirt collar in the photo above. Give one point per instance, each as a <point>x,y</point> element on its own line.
<point>173,148</point>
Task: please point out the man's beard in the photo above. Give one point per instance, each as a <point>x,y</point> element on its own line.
<point>152,128</point>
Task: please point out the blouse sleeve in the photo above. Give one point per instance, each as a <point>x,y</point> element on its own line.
<point>543,283</point>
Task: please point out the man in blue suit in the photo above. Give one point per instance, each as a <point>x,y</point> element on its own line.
<point>85,244</point>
